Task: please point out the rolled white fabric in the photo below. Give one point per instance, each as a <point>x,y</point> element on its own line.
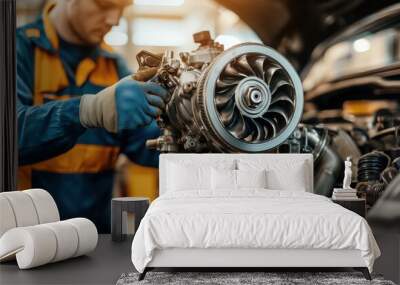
<point>67,239</point>
<point>23,208</point>
<point>7,218</point>
<point>30,230</point>
<point>45,205</point>
<point>33,246</point>
<point>87,234</point>
<point>40,244</point>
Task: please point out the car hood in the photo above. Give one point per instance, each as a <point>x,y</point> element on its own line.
<point>296,28</point>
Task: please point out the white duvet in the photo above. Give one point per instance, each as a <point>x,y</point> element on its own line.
<point>250,219</point>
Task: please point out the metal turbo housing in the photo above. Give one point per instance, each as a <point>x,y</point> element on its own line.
<point>245,99</point>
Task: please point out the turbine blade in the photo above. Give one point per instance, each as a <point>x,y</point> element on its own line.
<point>260,130</point>
<point>238,126</point>
<point>281,96</point>
<point>270,124</point>
<point>279,84</point>
<point>257,64</point>
<point>227,113</point>
<point>222,84</point>
<point>279,115</point>
<point>221,99</point>
<point>243,65</point>
<point>231,72</point>
<point>271,71</point>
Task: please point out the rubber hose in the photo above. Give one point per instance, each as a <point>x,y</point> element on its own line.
<point>327,170</point>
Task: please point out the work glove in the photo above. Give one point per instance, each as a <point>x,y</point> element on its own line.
<point>127,105</point>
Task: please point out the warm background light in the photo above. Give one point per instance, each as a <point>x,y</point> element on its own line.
<point>227,40</point>
<point>361,45</point>
<point>159,25</point>
<point>159,2</point>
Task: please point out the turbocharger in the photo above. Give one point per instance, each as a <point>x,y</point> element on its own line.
<point>245,99</point>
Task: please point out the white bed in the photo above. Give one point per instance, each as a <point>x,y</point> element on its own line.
<point>200,226</point>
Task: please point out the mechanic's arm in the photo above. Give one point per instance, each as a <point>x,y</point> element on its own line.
<point>124,106</point>
<point>133,145</point>
<point>47,130</point>
<point>137,104</point>
<point>53,128</point>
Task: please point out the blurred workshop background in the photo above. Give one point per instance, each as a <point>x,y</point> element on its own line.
<point>157,25</point>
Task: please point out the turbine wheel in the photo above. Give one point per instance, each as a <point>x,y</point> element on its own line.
<point>249,99</point>
<point>257,90</point>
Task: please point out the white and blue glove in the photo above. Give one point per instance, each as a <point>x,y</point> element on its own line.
<point>127,105</point>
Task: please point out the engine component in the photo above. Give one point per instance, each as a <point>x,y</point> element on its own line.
<point>386,211</point>
<point>388,174</point>
<point>371,165</point>
<point>385,118</point>
<point>360,137</point>
<point>328,165</point>
<point>245,99</point>
<point>396,163</point>
<point>206,52</point>
<point>373,189</point>
<point>374,192</point>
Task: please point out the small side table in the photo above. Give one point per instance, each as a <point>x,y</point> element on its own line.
<point>356,205</point>
<point>120,209</point>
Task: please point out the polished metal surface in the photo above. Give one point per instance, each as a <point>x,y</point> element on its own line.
<point>251,97</point>
<point>246,99</point>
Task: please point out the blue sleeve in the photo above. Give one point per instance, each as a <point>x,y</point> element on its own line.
<point>123,69</point>
<point>47,130</point>
<point>133,144</point>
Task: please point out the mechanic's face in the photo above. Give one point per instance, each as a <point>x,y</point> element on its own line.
<point>92,19</point>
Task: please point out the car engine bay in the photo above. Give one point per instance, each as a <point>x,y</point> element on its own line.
<point>249,98</point>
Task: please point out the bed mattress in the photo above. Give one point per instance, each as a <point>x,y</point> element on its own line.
<point>251,219</point>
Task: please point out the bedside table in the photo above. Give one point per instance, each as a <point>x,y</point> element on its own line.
<point>122,210</point>
<point>356,205</point>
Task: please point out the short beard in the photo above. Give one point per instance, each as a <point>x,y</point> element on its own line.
<point>79,36</point>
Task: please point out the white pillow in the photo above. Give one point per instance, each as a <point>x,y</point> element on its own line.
<point>223,179</point>
<point>282,174</point>
<point>251,178</point>
<point>181,177</point>
<point>290,179</point>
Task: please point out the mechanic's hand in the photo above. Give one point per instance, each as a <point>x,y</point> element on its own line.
<point>138,103</point>
<point>126,105</point>
<point>145,74</point>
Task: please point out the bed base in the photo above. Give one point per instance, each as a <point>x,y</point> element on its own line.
<point>244,259</point>
<point>143,274</point>
<point>363,270</point>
